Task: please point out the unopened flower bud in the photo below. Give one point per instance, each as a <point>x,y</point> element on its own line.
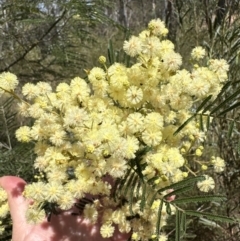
<point>198,152</point>
<point>157,181</point>
<point>164,178</point>
<point>151,26</point>
<point>164,32</point>
<point>183,150</point>
<point>105,153</point>
<point>102,60</point>
<point>191,137</point>
<point>185,174</point>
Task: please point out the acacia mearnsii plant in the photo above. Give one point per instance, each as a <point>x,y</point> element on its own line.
<point>127,136</point>
<point>215,25</point>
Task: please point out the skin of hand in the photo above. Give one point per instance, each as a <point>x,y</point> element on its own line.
<point>62,227</point>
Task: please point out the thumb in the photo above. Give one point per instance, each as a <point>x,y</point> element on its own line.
<point>14,187</point>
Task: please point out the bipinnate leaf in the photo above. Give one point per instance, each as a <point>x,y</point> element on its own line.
<point>197,199</point>
<point>205,101</point>
<point>210,216</point>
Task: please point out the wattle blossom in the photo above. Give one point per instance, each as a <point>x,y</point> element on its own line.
<point>133,46</point>
<point>198,53</point>
<point>206,185</point>
<point>88,133</point>
<point>8,82</point>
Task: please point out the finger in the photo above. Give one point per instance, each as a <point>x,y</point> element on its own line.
<point>14,187</point>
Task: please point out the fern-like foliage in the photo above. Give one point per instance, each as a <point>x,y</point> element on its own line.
<point>7,123</point>
<point>219,108</point>
<point>18,162</point>
<point>134,186</point>
<point>224,43</point>
<point>15,158</point>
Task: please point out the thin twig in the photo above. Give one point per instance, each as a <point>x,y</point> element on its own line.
<point>35,43</point>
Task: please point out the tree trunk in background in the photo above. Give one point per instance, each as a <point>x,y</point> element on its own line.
<point>122,13</point>
<point>158,8</point>
<point>171,19</point>
<point>220,13</point>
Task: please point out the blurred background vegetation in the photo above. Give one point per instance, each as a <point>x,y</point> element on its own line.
<point>56,40</point>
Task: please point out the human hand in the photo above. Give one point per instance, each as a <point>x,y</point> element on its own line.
<point>62,227</point>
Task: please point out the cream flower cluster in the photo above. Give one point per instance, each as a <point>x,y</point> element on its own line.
<point>88,131</point>
<point>8,82</point>
<point>4,209</point>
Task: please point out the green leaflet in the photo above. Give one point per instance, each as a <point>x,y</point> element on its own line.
<point>185,182</point>
<point>111,54</point>
<point>178,191</point>
<point>210,216</point>
<point>178,225</point>
<point>159,218</point>
<point>128,185</point>
<point>143,200</point>
<point>230,129</point>
<point>196,199</point>
<point>131,199</point>
<point>235,94</point>
<point>232,107</point>
<point>194,115</point>
<point>224,88</point>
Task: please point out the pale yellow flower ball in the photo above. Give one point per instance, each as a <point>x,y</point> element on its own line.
<point>90,212</point>
<point>3,195</point>
<point>157,27</point>
<point>8,81</point>
<point>102,59</point>
<point>107,230</point>
<point>35,216</point>
<point>30,91</point>
<point>166,46</point>
<point>172,61</point>
<point>23,134</point>
<point>218,164</point>
<point>133,46</point>
<point>4,210</point>
<point>134,95</point>
<point>206,185</point>
<point>198,53</point>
